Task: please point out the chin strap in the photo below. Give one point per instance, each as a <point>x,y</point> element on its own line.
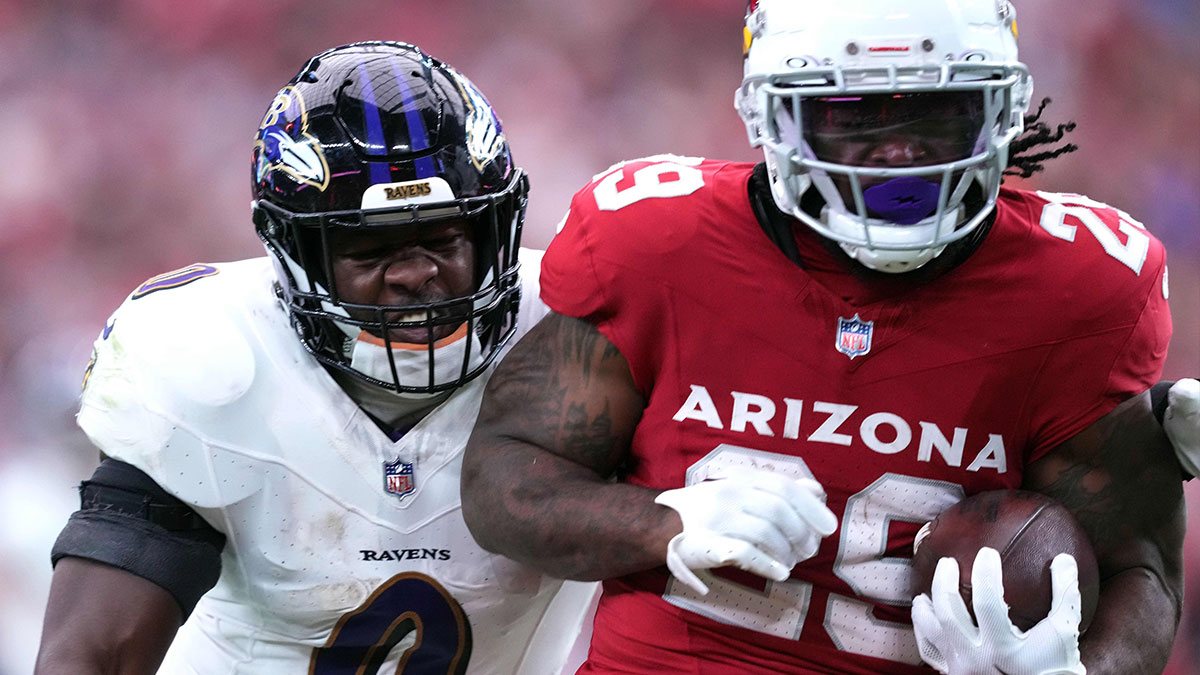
<point>884,260</point>
<point>878,260</point>
<point>774,223</point>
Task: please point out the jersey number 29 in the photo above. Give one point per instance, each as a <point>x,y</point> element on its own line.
<point>781,609</point>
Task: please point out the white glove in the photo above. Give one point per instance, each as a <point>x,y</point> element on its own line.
<point>1182,423</point>
<point>756,520</point>
<point>950,641</point>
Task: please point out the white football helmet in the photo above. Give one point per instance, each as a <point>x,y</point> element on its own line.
<point>824,78</point>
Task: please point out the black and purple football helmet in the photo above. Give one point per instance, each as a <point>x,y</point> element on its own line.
<point>380,134</point>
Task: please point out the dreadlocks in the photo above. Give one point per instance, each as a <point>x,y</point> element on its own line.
<point>1022,162</point>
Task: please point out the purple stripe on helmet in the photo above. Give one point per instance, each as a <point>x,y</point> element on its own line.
<point>416,126</point>
<point>375,137</point>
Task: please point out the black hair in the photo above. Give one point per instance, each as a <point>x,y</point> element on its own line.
<point>1031,149</point>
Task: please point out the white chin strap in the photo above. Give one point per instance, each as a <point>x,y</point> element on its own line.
<point>891,261</point>
<point>370,358</point>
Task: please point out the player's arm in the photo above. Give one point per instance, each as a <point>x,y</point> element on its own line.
<point>1121,480</point>
<point>128,568</point>
<point>556,422</point>
<point>101,619</point>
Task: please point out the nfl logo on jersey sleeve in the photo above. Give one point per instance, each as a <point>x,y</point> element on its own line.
<point>398,478</point>
<point>854,336</point>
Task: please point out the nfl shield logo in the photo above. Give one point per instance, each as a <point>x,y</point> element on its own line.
<point>398,478</point>
<point>854,336</point>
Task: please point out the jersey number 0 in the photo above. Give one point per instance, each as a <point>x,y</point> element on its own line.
<point>409,605</point>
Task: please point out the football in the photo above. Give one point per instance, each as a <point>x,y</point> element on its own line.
<point>1028,529</point>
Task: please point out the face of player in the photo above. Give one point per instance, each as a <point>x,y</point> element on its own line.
<point>403,265</point>
<point>893,130</point>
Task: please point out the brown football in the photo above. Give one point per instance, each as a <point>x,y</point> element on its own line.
<point>1028,529</point>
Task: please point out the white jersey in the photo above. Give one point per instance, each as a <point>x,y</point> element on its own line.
<point>346,552</point>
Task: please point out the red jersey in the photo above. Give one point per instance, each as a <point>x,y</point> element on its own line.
<point>899,398</point>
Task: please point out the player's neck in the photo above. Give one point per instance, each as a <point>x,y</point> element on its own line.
<point>390,410</point>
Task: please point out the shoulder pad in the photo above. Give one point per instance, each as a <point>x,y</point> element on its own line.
<point>167,360</point>
<point>183,344</point>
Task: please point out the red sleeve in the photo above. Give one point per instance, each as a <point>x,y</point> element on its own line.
<point>587,271</point>
<point>576,284</point>
<point>618,267</point>
<point>1125,327</point>
<point>570,284</point>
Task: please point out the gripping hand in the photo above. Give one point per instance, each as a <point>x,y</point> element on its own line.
<point>758,521</point>
<point>952,643</point>
<point>1182,423</point>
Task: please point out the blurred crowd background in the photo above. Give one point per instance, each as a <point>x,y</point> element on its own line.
<point>127,124</point>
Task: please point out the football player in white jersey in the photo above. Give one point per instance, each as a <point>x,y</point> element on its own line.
<point>281,437</point>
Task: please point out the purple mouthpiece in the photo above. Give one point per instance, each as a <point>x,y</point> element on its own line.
<point>903,201</point>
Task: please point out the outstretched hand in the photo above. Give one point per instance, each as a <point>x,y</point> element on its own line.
<point>951,642</point>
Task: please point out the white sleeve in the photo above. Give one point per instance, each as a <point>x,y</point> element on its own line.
<point>532,308</point>
<point>160,366</point>
<point>564,633</point>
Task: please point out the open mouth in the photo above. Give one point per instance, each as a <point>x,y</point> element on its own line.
<point>420,327</point>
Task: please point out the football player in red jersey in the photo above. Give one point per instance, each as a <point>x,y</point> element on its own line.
<point>789,367</point>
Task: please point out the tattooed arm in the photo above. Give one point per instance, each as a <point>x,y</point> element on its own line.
<point>1120,479</point>
<point>556,422</point>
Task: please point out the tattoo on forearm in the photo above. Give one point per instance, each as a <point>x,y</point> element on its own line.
<point>1118,479</point>
<point>1088,492</point>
